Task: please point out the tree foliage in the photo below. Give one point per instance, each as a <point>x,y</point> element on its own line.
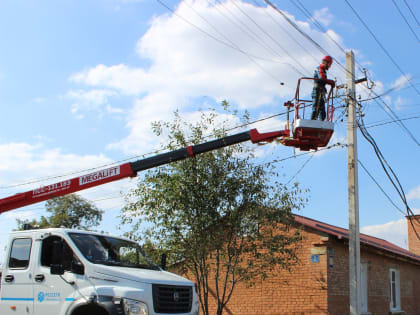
<point>70,211</point>
<point>224,217</point>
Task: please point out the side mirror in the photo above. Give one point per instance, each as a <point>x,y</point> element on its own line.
<point>77,268</point>
<point>57,270</point>
<point>163,261</point>
<point>57,267</point>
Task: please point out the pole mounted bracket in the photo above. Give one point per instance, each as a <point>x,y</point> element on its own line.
<point>360,80</point>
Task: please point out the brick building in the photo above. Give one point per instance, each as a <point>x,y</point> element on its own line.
<point>319,283</point>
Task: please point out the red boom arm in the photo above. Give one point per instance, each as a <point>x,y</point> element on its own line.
<point>129,169</point>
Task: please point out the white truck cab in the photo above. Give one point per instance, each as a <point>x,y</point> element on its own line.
<point>71,272</point>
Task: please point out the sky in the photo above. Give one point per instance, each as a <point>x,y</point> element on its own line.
<point>82,81</point>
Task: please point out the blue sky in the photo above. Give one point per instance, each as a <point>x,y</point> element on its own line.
<point>81,82</point>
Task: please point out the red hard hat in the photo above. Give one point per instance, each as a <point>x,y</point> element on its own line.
<point>328,58</point>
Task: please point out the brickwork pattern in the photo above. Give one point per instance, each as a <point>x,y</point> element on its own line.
<point>315,288</point>
<point>378,287</point>
<point>413,242</point>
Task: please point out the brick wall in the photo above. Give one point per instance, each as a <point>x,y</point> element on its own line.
<point>413,241</point>
<point>302,291</point>
<point>314,288</point>
<point>378,265</point>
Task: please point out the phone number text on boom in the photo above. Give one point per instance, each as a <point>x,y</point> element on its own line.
<point>53,188</point>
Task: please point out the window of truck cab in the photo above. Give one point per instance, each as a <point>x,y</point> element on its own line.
<point>47,251</point>
<point>112,251</point>
<point>20,253</point>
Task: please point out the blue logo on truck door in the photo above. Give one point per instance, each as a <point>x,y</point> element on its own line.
<point>48,296</point>
<point>41,296</point>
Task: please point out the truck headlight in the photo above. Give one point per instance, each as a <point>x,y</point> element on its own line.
<point>133,307</point>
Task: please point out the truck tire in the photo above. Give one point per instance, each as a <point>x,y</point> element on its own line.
<point>90,309</point>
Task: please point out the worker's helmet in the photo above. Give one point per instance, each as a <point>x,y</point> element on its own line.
<point>328,58</point>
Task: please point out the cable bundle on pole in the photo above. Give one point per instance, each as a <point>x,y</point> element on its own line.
<point>389,172</point>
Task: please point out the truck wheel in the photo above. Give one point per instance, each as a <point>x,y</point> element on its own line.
<point>90,310</point>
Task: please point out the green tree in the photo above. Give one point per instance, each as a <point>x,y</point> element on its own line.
<point>70,211</point>
<point>224,217</point>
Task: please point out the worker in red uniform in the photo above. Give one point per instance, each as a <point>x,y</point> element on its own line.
<point>319,90</point>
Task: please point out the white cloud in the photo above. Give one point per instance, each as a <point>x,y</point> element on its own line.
<point>127,80</point>
<point>17,160</point>
<point>24,167</point>
<point>92,100</point>
<point>414,193</point>
<point>401,81</point>
<point>323,16</point>
<point>394,232</point>
<point>184,64</point>
<point>399,103</point>
<point>113,110</point>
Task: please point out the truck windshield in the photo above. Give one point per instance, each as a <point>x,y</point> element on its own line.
<point>112,251</point>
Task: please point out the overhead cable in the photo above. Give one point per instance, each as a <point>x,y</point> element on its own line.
<point>300,169</point>
<point>37,180</point>
<point>389,172</point>
<point>388,110</point>
<point>380,45</point>
<point>412,13</point>
<point>234,47</point>
<point>405,20</point>
<point>270,36</point>
<point>396,87</point>
<point>371,125</point>
<point>380,187</point>
<point>300,31</point>
<point>244,28</point>
<point>288,34</point>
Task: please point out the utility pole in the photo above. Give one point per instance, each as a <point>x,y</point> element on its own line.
<point>353,190</point>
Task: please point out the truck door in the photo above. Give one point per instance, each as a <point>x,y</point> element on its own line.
<point>16,283</point>
<point>53,293</point>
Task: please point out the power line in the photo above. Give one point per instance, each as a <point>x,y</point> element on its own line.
<point>301,168</point>
<point>380,187</point>
<point>388,171</point>
<point>37,180</point>
<point>408,24</point>
<point>295,26</point>
<point>309,38</point>
<point>275,161</point>
<point>305,35</point>
<point>396,87</point>
<point>288,33</point>
<point>338,144</point>
<point>253,35</point>
<point>271,37</point>
<point>225,37</point>
<point>305,11</point>
<point>412,13</point>
<point>371,125</point>
<point>245,28</point>
<point>250,56</point>
<point>380,45</point>
<point>388,110</point>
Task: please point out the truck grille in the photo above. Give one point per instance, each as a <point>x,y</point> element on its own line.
<point>172,299</point>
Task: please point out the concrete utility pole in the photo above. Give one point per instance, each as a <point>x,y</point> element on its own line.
<point>353,190</point>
